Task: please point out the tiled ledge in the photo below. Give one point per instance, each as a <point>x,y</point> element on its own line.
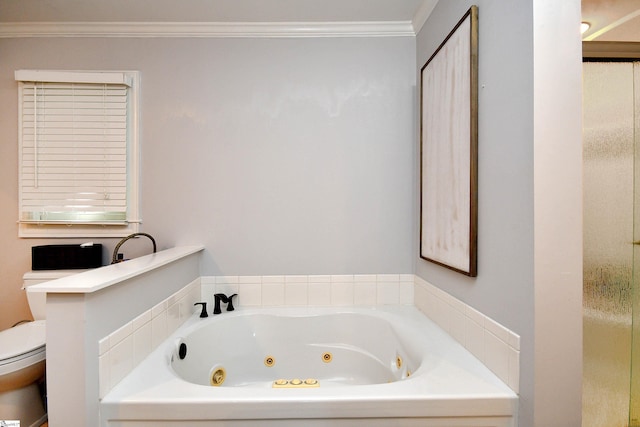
<point>496,346</point>
<point>313,290</point>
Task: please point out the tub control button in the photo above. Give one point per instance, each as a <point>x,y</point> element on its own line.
<point>296,383</point>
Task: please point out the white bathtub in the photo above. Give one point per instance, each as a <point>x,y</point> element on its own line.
<point>310,366</point>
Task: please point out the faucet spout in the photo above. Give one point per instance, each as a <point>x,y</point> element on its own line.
<point>225,299</point>
<point>114,258</point>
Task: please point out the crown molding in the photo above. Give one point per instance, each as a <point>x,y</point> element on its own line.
<point>206,29</point>
<point>423,12</point>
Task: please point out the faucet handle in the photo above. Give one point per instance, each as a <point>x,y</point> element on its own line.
<point>204,309</point>
<point>230,302</point>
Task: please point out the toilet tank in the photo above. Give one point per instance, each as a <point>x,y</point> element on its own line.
<point>37,300</point>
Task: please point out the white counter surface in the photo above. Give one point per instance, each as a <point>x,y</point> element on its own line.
<point>100,278</point>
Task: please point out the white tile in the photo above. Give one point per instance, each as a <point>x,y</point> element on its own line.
<point>369,278</point>
<point>388,292</point>
<point>514,340</point>
<point>457,325</point>
<point>295,294</point>
<point>272,294</point>
<point>342,293</point>
<point>388,277</point>
<point>159,329</point>
<point>406,293</point>
<point>296,279</point>
<point>173,318</point>
<point>226,280</point>
<point>475,315</point>
<point>425,285</point>
<point>103,375</point>
<point>250,294</point>
<point>172,299</point>
<point>184,291</point>
<point>187,307</point>
<point>365,293</point>
<point>407,278</point>
<point>319,278</point>
<point>420,281</point>
<point>207,290</point>
<point>421,300</point>
<point>249,279</point>
<point>272,279</point>
<point>456,304</point>
<point>207,280</point>
<point>497,329</point>
<point>438,293</point>
<point>120,360</point>
<point>342,278</point>
<point>514,370</point>
<point>227,288</point>
<point>441,313</point>
<point>433,305</point>
<point>194,296</point>
<point>121,333</point>
<point>429,302</point>
<point>496,356</point>
<point>142,343</point>
<point>103,345</point>
<point>474,338</point>
<point>319,293</point>
<point>142,319</point>
<point>159,308</point>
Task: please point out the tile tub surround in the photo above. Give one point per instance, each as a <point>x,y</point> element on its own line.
<point>494,345</point>
<point>125,348</point>
<point>311,290</point>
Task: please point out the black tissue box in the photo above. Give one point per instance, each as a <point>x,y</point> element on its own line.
<point>66,257</point>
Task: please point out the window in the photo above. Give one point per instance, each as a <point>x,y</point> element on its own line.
<point>78,153</point>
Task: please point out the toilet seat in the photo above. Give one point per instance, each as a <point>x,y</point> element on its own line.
<point>22,346</point>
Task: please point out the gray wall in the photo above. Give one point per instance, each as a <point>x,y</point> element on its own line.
<point>299,156</point>
<point>529,218</point>
<point>503,289</point>
<point>281,156</point>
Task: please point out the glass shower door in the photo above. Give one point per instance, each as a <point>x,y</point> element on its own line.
<point>609,252</point>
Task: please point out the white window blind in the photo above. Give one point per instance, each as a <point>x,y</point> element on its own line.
<point>74,150</point>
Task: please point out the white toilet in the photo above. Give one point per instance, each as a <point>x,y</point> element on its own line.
<point>22,358</point>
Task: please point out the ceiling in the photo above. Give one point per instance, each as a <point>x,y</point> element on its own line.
<point>210,10</point>
<point>612,20</point>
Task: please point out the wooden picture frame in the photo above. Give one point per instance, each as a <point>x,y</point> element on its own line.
<point>449,150</point>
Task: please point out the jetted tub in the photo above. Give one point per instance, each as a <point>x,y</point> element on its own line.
<point>270,350</point>
<point>387,366</point>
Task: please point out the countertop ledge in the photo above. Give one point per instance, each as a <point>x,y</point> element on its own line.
<point>103,277</point>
